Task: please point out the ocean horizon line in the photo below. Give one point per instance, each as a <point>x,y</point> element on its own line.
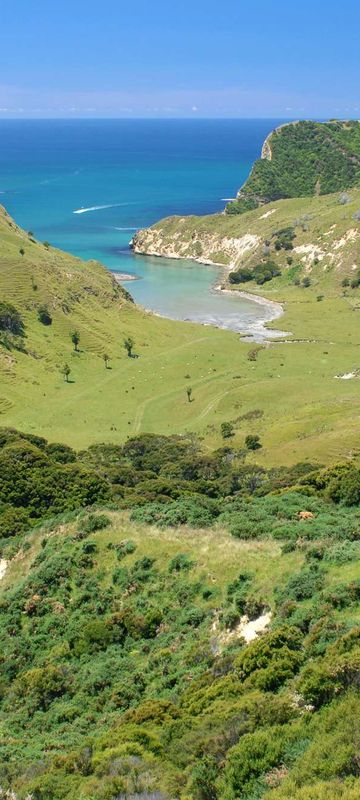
<point>197,118</point>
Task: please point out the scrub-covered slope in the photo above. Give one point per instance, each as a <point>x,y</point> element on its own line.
<point>213,660</point>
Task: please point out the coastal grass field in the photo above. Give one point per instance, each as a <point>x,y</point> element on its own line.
<point>289,396</point>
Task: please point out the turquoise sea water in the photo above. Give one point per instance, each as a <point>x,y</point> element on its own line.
<point>127,174</point>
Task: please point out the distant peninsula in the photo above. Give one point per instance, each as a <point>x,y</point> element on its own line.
<point>295,219</point>
<point>302,159</point>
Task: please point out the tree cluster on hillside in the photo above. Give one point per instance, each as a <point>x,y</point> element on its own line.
<point>307,158</point>
<point>261,273</point>
<point>169,480</point>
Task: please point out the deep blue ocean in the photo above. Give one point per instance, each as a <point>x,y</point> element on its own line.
<point>126,174</point>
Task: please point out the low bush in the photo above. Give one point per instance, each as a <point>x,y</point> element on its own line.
<point>241,205</point>
<point>44,315</point>
<point>94,522</point>
<point>194,512</point>
<point>303,585</point>
<point>11,320</point>
<point>252,442</point>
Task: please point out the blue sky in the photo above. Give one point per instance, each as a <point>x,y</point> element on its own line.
<point>179,58</point>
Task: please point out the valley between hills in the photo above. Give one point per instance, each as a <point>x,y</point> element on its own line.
<point>304,408</point>
<point>179,507</point>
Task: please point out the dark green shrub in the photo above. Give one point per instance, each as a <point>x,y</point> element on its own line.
<point>230,618</point>
<point>284,239</point>
<point>44,315</point>
<point>324,679</point>
<point>10,319</point>
<point>124,548</point>
<point>343,485</point>
<point>253,756</point>
<point>252,442</point>
<point>288,547</point>
<point>95,522</point>
<point>96,635</point>
<point>343,594</point>
<point>261,273</point>
<point>203,779</point>
<point>241,276</point>
<point>61,453</point>
<point>89,547</point>
<point>227,430</point>
<point>192,617</point>
<point>241,205</point>
<point>342,552</point>
<point>143,569</point>
<point>266,271</point>
<point>304,584</point>
<point>30,479</point>
<point>271,659</point>
<point>196,512</point>
<point>121,577</point>
<point>13,521</point>
<point>243,528</point>
<point>39,687</point>
<point>180,562</point>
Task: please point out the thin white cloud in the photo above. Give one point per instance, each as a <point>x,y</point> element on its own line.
<point>237,101</point>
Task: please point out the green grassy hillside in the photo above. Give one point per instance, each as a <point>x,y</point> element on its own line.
<point>97,404</point>
<point>303,404</point>
<point>303,159</point>
<point>297,405</point>
<point>213,660</point>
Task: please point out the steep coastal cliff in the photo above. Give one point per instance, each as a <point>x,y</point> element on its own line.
<point>311,237</point>
<point>302,176</point>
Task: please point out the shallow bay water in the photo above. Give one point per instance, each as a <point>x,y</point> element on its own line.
<point>87,185</point>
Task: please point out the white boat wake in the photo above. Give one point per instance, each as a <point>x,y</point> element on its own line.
<point>125,229</point>
<point>99,208</point>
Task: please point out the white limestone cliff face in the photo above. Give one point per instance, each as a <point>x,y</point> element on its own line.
<point>204,247</point>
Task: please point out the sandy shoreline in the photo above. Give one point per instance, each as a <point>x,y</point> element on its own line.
<point>256,331</point>
<point>259,330</point>
<point>275,309</point>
